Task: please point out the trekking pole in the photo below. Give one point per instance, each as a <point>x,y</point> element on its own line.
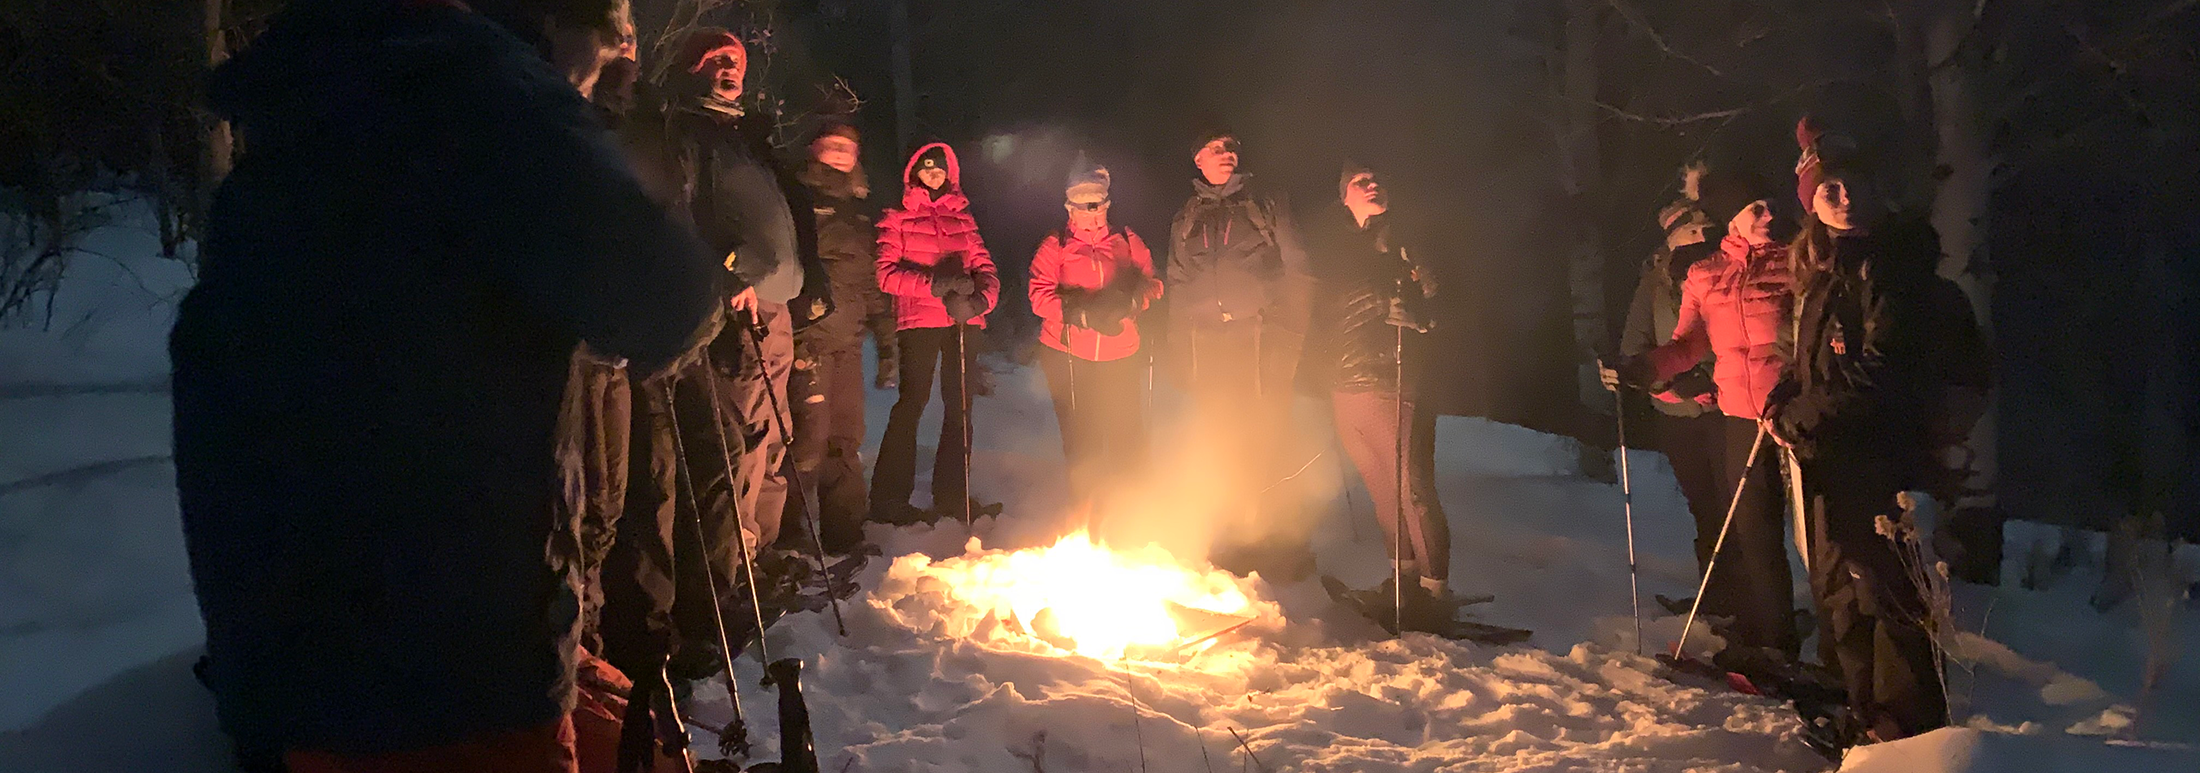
<point>794,475</point>
<point>1627,506</point>
<point>741,539</point>
<point>962,385</point>
<point>1713,562</point>
<point>1398,511</point>
<point>735,737</point>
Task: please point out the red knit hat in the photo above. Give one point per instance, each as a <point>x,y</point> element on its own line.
<point>707,42</point>
<point>1809,170</point>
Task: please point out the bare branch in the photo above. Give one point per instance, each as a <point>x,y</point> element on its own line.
<point>1642,25</point>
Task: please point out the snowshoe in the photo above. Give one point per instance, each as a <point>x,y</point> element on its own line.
<point>1813,692</point>
<point>903,514</point>
<point>977,510</point>
<point>1424,613</point>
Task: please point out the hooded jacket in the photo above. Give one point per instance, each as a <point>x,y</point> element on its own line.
<point>1094,274</point>
<point>426,222</point>
<point>1864,381</point>
<point>925,232</point>
<point>1734,307</point>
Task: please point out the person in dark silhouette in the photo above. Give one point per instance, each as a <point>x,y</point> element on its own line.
<point>426,222</point>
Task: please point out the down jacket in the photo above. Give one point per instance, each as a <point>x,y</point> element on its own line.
<point>914,240</point>
<point>1359,271</point>
<point>1080,268</point>
<point>1734,306</point>
<point>369,373</point>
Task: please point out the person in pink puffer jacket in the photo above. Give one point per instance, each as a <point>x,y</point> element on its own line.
<point>1735,305</point>
<point>932,261</point>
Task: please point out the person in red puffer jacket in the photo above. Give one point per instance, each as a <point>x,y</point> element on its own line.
<point>931,260</point>
<point>1735,305</point>
<point>1089,283</point>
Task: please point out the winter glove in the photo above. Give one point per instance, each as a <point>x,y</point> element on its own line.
<point>1403,314</point>
<point>964,307</point>
<point>949,276</point>
<point>808,310</point>
<point>1103,310</point>
<point>1630,372</point>
<point>1692,383</point>
<point>889,372</point>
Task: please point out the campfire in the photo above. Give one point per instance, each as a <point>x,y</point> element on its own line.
<point>1080,596</point>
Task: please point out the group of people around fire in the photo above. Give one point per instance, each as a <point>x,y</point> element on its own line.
<point>505,362</point>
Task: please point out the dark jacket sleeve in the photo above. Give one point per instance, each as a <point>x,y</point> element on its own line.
<point>576,233</point>
<point>1641,333</point>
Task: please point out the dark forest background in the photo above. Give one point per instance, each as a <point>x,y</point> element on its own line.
<point>1528,143</point>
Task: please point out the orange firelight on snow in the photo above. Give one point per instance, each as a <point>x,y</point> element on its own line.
<point>1084,597</point>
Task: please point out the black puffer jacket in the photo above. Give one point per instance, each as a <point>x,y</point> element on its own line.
<point>847,245</point>
<point>1865,377</point>
<point>1360,271</point>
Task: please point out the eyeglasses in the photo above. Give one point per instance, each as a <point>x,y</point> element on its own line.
<point>1089,206</point>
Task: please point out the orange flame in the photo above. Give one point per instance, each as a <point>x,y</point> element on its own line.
<point>1082,596</point>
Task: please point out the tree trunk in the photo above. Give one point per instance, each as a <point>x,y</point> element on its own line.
<point>1960,203</point>
<point>1581,172</point>
<point>905,82</point>
<point>219,146</point>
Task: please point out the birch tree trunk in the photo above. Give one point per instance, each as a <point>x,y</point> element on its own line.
<point>1960,203</point>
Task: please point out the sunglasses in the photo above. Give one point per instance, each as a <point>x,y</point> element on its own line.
<point>1092,206</point>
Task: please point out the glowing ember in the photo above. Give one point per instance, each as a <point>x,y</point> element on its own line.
<point>1085,597</point>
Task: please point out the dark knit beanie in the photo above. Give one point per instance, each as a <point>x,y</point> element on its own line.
<point>1344,179</point>
<point>837,129</point>
<point>1722,194</point>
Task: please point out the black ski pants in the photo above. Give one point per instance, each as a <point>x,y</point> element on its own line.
<point>1100,409</point>
<point>925,352</point>
<point>826,394</point>
<point>1873,616</point>
<point>1751,583</point>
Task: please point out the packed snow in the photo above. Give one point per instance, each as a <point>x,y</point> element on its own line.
<point>98,626</point>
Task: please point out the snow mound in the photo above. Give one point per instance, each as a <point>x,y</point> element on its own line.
<point>1967,750</point>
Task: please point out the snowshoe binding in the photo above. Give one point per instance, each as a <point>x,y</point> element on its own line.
<point>1424,612</point>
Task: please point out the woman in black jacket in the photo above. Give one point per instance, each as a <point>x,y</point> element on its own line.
<point>1372,307</point>
<point>1855,405</point>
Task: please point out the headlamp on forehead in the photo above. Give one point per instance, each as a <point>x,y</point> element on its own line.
<point>1222,145</point>
<point>1089,206</point>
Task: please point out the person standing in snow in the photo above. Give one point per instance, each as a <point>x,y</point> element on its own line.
<point>932,261</point>
<point>1372,301</point>
<point>1689,431</point>
<point>1089,283</point>
<point>1857,403</point>
<point>368,376</point>
<point>828,405</point>
<point>1240,292</point>
<point>711,162</point>
<point>1734,308</point>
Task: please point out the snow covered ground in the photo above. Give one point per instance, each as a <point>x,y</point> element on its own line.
<point>98,627</point>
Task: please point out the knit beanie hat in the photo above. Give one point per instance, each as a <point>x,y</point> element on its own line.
<point>1723,194</point>
<point>932,158</point>
<point>1088,182</point>
<point>1344,179</point>
<point>837,129</point>
<point>1819,147</point>
<point>1212,134</point>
